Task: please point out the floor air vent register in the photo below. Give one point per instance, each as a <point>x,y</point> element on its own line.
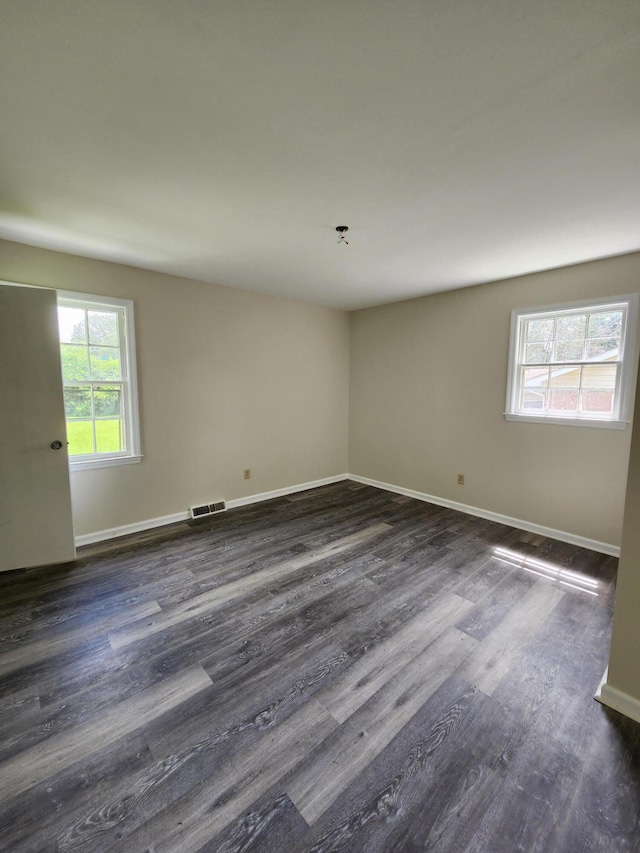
<point>203,510</point>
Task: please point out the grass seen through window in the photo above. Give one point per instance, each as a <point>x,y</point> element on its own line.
<point>109,437</point>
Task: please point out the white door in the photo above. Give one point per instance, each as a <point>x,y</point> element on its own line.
<point>35,502</point>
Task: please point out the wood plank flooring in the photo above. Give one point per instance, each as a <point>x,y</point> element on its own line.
<point>338,670</point>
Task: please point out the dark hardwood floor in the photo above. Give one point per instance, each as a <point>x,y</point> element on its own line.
<point>339,670</point>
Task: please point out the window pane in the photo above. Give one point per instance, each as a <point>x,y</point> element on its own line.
<point>532,400</point>
<point>565,377</point>
<point>563,400</point>
<point>75,362</point>
<point>80,437</point>
<point>77,402</point>
<point>537,353</point>
<point>535,377</point>
<point>103,328</point>
<point>533,384</point>
<point>71,325</point>
<point>107,402</point>
<point>109,436</point>
<point>539,330</point>
<point>571,328</point>
<point>597,402</point>
<point>603,348</point>
<point>105,363</point>
<point>568,351</point>
<point>601,376</point>
<point>607,324</point>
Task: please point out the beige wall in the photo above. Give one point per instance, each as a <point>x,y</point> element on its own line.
<point>624,660</point>
<point>428,383</point>
<point>228,380</point>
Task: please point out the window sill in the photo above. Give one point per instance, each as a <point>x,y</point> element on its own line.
<point>579,422</point>
<point>88,464</point>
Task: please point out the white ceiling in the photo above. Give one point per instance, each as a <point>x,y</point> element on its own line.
<point>461,141</point>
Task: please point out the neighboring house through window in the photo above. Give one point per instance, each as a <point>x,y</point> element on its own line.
<point>573,363</point>
<point>97,351</point>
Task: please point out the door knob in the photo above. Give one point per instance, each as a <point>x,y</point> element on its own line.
<point>56,445</point>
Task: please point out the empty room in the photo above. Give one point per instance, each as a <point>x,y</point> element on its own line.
<point>320,466</point>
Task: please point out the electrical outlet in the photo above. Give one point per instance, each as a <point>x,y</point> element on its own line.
<point>461,479</point>
<point>247,473</point>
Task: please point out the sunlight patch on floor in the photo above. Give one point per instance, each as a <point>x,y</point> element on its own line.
<point>546,569</point>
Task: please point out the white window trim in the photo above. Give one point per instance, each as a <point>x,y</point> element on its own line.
<point>628,360</point>
<point>132,418</point>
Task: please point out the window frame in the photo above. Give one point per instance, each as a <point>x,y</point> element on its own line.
<point>623,395</point>
<point>132,454</point>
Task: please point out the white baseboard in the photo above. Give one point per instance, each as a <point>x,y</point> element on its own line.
<point>619,701</point>
<point>126,529</point>
<point>289,490</point>
<point>570,538</point>
<point>150,523</point>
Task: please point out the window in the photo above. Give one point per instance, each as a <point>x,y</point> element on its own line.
<point>573,363</point>
<point>97,351</point>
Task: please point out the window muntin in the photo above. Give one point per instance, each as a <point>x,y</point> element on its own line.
<point>98,374</point>
<point>572,364</point>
